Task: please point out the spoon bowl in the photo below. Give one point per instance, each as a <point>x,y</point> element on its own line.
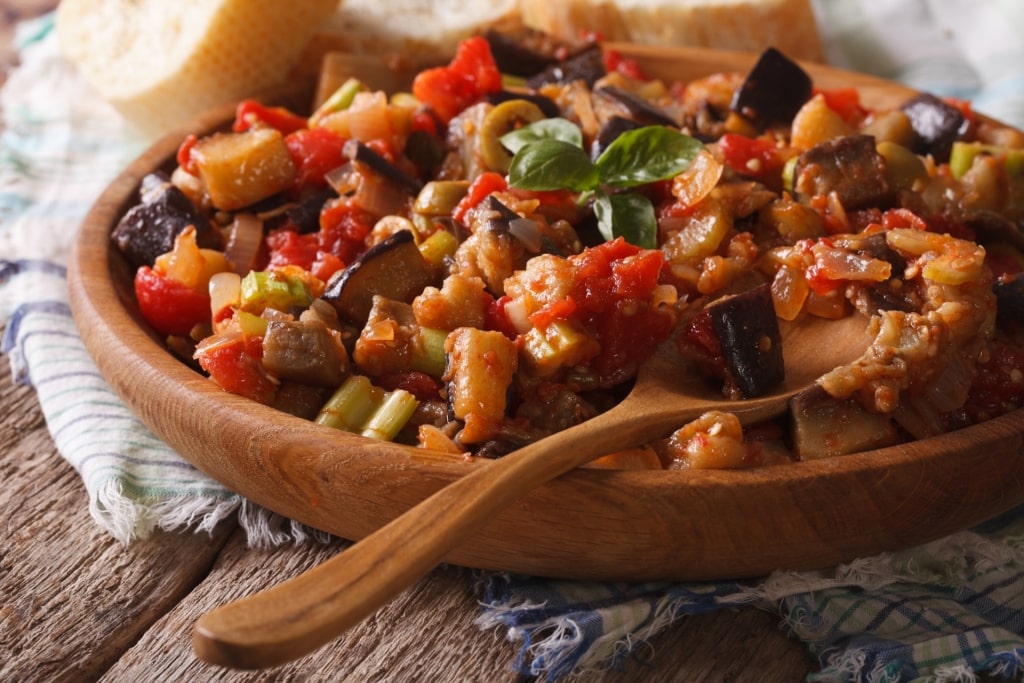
<point>297,616</point>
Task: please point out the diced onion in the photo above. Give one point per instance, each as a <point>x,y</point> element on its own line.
<point>378,197</point>
<point>344,179</point>
<point>528,232</point>
<point>244,241</point>
<point>225,291</point>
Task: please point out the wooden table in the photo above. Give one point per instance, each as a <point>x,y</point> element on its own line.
<point>80,606</point>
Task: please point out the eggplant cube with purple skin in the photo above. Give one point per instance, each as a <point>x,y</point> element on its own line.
<point>740,343</point>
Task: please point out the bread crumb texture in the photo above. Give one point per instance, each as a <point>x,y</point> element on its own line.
<point>161,63</point>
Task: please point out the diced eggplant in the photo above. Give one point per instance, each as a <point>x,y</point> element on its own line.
<point>239,170</point>
<point>300,400</point>
<point>542,102</point>
<point>354,150</point>
<point>424,150</point>
<point>498,217</point>
<point>824,426</point>
<point>306,214</point>
<point>1010,297</point>
<point>637,108</point>
<point>610,131</point>
<point>394,268</point>
<point>304,351</point>
<point>148,229</point>
<point>524,54</point>
<point>937,125</point>
<point>587,65</point>
<point>773,92</point>
<point>751,343</point>
<point>850,166</point>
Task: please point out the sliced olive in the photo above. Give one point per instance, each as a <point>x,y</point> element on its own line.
<point>502,119</point>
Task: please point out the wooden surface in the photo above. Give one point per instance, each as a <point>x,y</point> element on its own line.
<point>80,606</point>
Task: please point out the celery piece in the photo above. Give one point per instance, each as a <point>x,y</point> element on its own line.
<point>272,289</point>
<point>352,405</point>
<point>963,154</point>
<point>438,247</point>
<point>428,351</point>
<point>389,418</point>
<point>251,325</point>
<point>339,100</point>
<point>788,173</point>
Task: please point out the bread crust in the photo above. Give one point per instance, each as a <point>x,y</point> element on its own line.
<point>749,25</point>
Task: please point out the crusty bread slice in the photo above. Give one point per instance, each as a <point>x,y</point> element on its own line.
<point>423,31</point>
<point>749,25</point>
<point>161,62</point>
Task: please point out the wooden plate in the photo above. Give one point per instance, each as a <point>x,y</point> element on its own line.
<point>589,524</point>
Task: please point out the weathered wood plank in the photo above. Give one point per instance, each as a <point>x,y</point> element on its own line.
<point>427,634</point>
<point>74,598</point>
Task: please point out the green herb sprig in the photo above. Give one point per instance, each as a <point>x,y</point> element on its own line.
<point>549,155</point>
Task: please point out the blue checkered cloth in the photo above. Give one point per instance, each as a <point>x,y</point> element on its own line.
<point>945,611</point>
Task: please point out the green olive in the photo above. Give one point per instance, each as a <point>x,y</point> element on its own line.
<point>440,197</point>
<point>505,117</point>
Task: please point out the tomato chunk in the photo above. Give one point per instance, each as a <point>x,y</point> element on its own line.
<point>237,367</point>
<point>470,75</point>
<point>251,114</point>
<point>168,305</point>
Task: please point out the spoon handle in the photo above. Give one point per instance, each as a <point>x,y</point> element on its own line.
<point>297,616</point>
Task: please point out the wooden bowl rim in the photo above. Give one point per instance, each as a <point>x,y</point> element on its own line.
<point>114,337</point>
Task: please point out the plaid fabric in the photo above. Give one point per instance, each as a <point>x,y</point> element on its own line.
<point>941,612</point>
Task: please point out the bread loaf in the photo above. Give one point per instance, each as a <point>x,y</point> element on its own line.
<point>749,25</point>
<point>423,31</point>
<point>161,62</point>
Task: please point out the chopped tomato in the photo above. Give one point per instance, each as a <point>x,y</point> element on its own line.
<point>419,384</point>
<point>184,155</point>
<point>560,309</point>
<point>251,114</point>
<point>344,228</point>
<point>290,248</point>
<point>902,218</point>
<point>612,290</point>
<point>470,76</point>
<point>237,367</point>
<point>999,385</point>
<point>496,318</point>
<point>316,152</point>
<point>615,62</point>
<point>484,185</point>
<point>845,102</point>
<point>168,305</point>
<point>754,157</point>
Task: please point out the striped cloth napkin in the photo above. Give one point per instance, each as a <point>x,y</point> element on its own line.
<point>945,611</point>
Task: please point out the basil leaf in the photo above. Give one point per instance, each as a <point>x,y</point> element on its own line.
<point>545,129</point>
<point>552,165</point>
<point>645,155</point>
<point>629,216</point>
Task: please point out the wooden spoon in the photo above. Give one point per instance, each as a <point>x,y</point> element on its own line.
<point>295,617</point>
